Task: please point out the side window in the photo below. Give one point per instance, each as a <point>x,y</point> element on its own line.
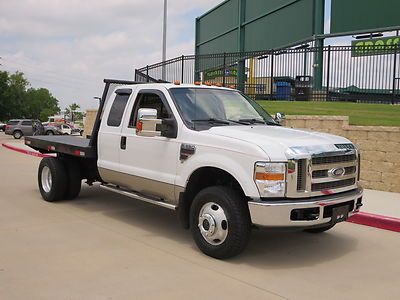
<point>26,123</point>
<point>149,100</point>
<point>12,123</point>
<point>117,110</point>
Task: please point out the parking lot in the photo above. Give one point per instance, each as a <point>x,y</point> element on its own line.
<point>106,246</point>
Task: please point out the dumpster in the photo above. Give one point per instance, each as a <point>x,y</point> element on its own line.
<point>283,90</point>
<point>303,88</point>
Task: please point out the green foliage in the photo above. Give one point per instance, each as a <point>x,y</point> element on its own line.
<point>359,113</point>
<point>17,100</point>
<point>72,112</point>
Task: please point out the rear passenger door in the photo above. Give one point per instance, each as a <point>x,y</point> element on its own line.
<point>26,127</point>
<point>109,137</point>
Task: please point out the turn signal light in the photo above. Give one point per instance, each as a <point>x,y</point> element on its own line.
<point>270,176</point>
<point>139,126</point>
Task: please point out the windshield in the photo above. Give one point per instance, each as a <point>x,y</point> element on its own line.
<point>201,107</point>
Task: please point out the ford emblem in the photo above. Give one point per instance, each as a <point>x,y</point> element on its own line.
<point>336,172</point>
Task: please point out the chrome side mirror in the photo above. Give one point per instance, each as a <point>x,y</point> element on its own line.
<point>279,117</point>
<point>147,122</point>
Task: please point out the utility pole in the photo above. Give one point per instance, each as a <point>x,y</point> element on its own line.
<point>164,45</point>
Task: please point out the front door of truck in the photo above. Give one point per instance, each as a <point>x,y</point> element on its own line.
<point>149,163</point>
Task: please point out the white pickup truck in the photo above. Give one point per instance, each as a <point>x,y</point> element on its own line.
<point>213,155</point>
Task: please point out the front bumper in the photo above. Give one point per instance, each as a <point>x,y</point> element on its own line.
<point>310,212</point>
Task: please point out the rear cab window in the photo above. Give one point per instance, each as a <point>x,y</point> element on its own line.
<point>118,107</point>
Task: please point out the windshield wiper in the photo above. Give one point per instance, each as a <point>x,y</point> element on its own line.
<point>252,121</point>
<point>212,120</point>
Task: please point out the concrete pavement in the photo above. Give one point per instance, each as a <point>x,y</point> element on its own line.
<point>106,246</point>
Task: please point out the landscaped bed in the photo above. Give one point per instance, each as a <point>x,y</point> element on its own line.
<point>359,113</point>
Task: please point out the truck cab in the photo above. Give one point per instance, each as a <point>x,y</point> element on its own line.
<point>217,158</point>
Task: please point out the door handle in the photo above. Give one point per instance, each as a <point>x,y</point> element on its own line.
<point>123,142</point>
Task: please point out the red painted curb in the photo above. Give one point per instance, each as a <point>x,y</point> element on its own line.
<point>378,221</point>
<point>32,153</point>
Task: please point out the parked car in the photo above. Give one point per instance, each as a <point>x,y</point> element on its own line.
<point>25,127</point>
<point>2,126</point>
<point>19,128</point>
<point>212,155</point>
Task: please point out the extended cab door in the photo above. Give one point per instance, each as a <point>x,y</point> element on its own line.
<point>149,163</point>
<point>109,137</point>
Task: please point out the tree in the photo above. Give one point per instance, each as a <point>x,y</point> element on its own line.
<point>71,111</point>
<point>17,100</point>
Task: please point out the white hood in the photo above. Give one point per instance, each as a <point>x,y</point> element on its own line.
<point>276,141</point>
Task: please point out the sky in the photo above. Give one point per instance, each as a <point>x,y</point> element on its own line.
<point>70,46</point>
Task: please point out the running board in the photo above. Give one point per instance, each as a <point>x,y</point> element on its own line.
<point>137,196</point>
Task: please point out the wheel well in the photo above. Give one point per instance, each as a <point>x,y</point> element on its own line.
<point>200,179</point>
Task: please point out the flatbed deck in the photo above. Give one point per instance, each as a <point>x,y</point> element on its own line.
<point>69,145</point>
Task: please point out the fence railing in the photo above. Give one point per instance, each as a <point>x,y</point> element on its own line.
<point>331,73</point>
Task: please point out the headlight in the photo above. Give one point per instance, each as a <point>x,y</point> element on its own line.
<point>270,179</point>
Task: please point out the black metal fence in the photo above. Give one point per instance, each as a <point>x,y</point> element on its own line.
<point>331,73</point>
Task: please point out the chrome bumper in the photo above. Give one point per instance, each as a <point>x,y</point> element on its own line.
<point>278,213</point>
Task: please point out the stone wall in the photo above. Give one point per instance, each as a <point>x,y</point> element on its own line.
<point>379,147</point>
<point>89,121</point>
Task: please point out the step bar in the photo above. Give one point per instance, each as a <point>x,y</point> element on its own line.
<point>134,195</point>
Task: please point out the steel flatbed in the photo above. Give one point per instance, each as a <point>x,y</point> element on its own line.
<point>68,145</point>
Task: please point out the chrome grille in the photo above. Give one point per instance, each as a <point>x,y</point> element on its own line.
<point>301,174</point>
<point>317,175</point>
<point>333,159</point>
<point>332,184</point>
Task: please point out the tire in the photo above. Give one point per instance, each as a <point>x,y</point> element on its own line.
<point>319,229</point>
<point>49,132</point>
<point>74,179</point>
<point>231,235</point>
<point>52,189</point>
<point>17,134</point>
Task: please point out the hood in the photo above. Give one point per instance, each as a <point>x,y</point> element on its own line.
<point>281,143</point>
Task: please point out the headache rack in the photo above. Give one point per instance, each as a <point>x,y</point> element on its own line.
<point>72,145</point>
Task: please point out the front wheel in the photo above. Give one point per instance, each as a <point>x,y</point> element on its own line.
<point>220,222</point>
<point>49,132</point>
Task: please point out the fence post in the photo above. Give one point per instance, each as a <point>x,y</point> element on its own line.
<point>224,70</point>
<point>147,74</point>
<point>271,88</point>
<point>394,75</point>
<point>328,73</point>
<point>183,65</point>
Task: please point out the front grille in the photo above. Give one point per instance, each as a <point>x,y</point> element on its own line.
<point>324,173</point>
<point>333,159</point>
<point>301,174</point>
<point>332,184</point>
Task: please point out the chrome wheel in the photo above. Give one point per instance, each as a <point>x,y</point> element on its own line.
<point>46,179</point>
<point>213,223</point>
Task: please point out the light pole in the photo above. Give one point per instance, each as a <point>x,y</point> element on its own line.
<point>164,45</point>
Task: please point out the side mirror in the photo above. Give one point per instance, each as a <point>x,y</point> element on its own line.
<point>147,122</point>
<point>279,117</point>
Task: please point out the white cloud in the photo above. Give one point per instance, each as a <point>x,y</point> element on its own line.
<point>70,46</point>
